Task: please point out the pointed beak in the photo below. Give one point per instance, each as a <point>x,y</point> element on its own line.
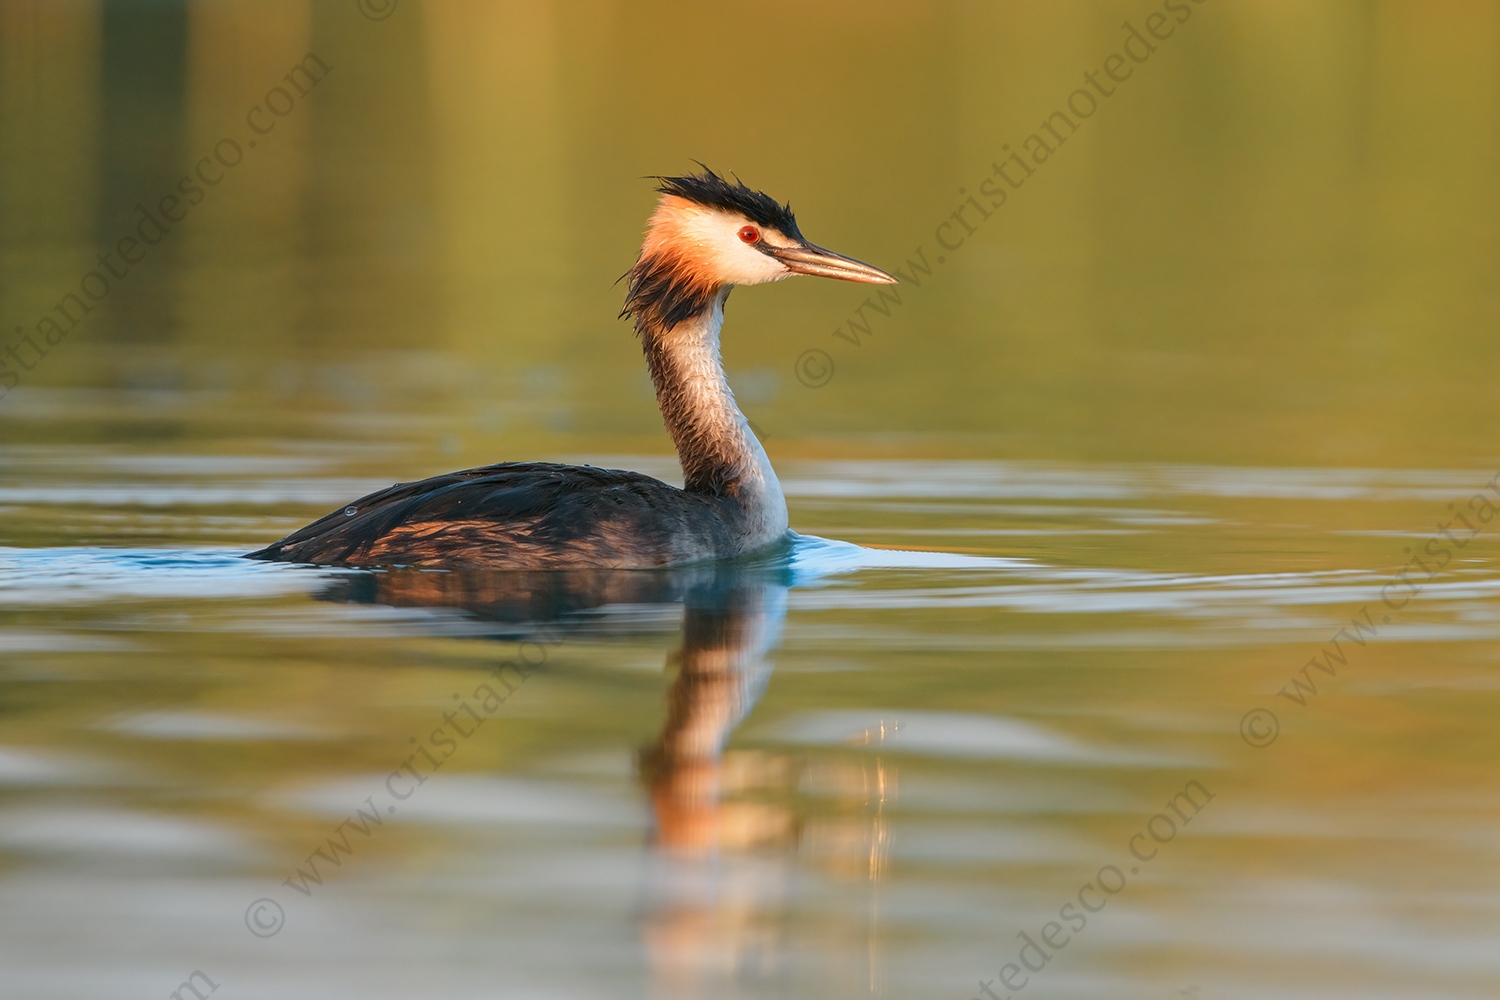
<point>804,258</point>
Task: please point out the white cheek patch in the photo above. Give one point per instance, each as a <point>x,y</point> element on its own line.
<point>716,236</point>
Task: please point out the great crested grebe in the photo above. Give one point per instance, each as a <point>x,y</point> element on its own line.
<point>706,236</point>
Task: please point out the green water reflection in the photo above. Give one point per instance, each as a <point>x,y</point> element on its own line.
<point>1274,243</point>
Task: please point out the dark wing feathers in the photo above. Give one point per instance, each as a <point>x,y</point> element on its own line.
<point>517,514</point>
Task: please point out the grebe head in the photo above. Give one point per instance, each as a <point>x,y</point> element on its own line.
<point>709,233</point>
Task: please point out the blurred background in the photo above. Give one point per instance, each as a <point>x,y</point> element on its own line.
<point>1187,399</point>
<point>1274,244</point>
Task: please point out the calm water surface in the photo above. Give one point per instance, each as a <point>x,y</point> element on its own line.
<point>1074,515</point>
<point>861,770</point>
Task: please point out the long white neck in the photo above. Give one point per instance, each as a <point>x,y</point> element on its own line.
<point>720,455</point>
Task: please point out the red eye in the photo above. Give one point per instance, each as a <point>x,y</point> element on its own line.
<point>749,234</point>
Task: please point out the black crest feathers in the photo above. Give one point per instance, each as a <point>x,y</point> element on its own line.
<point>709,188</point>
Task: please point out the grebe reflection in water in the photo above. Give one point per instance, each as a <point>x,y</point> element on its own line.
<point>732,620</point>
<point>711,893</point>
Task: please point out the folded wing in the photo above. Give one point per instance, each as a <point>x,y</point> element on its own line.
<point>533,515</point>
